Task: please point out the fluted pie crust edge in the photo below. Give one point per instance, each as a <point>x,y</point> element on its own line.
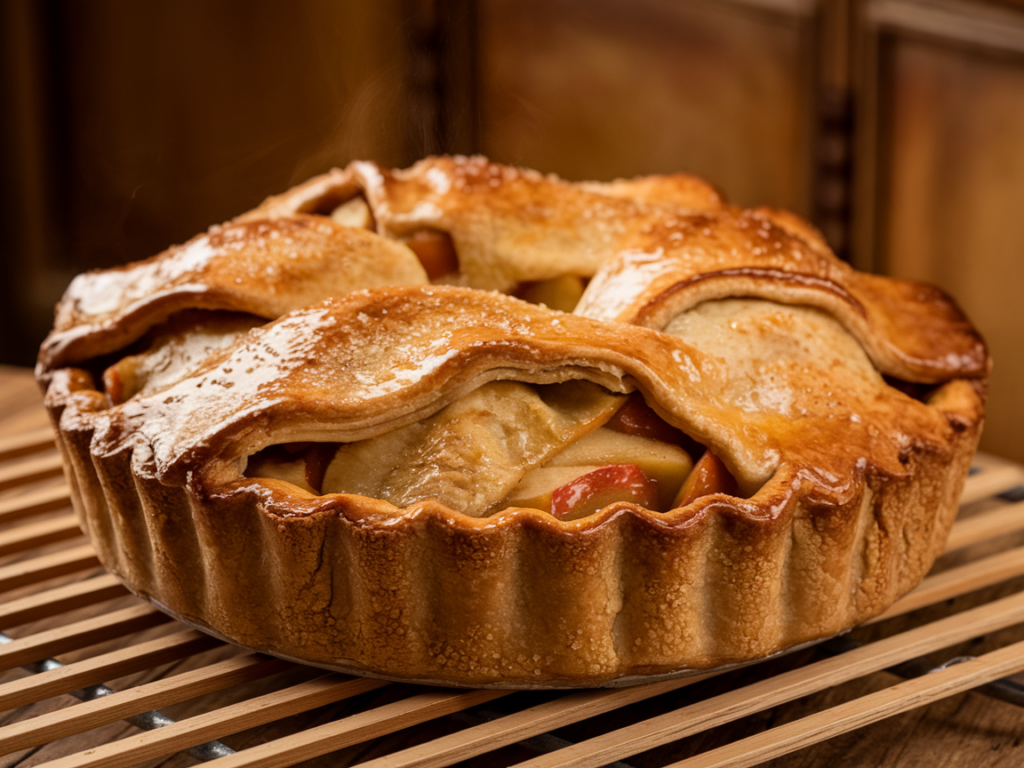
<point>521,600</point>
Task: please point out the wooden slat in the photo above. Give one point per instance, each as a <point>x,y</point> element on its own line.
<point>39,569</point>
<point>991,481</point>
<point>143,698</point>
<point>61,599</point>
<point>858,713</point>
<point>358,728</point>
<point>959,581</point>
<point>35,502</point>
<point>107,666</point>
<point>989,525</point>
<point>232,719</point>
<point>26,443</point>
<point>31,470</point>
<point>38,534</point>
<point>715,711</point>
<point>517,726</point>
<point>43,645</point>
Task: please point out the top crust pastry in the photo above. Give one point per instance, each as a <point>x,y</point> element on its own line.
<point>303,398</point>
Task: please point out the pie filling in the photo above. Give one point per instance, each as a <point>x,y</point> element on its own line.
<point>568,449</point>
<point>562,293</point>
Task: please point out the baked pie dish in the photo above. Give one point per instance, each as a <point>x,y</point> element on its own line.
<point>472,425</point>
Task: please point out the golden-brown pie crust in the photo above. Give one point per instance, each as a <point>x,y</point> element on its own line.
<point>850,492</point>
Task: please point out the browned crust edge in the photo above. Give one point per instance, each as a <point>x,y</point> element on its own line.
<point>524,600</point>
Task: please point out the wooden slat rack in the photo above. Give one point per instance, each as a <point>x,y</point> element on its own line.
<point>92,676</point>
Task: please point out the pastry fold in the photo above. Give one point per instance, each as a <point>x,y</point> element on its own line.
<point>508,225</point>
<point>255,267</point>
<point>911,330</point>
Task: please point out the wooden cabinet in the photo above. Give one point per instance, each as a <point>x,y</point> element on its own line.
<point>182,114</point>
<point>135,125</point>
<point>605,89</point>
<point>941,195</point>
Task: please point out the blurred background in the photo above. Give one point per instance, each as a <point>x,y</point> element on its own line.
<point>897,126</point>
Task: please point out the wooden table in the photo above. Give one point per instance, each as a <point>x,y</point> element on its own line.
<point>823,706</point>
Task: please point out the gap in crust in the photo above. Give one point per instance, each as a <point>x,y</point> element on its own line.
<point>601,448</point>
<point>468,424</point>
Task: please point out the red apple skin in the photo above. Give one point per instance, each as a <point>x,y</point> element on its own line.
<point>318,457</point>
<point>435,251</point>
<point>615,482</point>
<point>709,475</point>
<point>636,417</point>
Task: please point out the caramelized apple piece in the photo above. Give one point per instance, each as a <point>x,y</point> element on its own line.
<point>435,251</point>
<point>318,457</point>
<point>354,213</point>
<point>667,464</point>
<point>561,293</point>
<point>473,453</point>
<point>535,489</point>
<point>596,490</point>
<point>119,380</point>
<point>276,465</point>
<point>709,476</point>
<point>636,417</point>
<point>301,464</point>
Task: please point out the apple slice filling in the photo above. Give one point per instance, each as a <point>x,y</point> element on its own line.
<point>283,462</point>
<point>709,475</point>
<point>666,465</point>
<point>572,492</point>
<point>470,454</point>
<point>436,252</point>
<point>562,293</point>
<point>568,449</point>
<point>597,489</point>
<point>354,213</point>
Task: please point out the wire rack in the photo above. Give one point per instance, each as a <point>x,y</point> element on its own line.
<point>92,676</point>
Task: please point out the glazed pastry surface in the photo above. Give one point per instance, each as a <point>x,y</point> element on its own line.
<point>759,383</point>
<point>173,381</point>
<point>250,267</point>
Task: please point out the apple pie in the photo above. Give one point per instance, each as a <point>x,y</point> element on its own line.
<point>472,425</point>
